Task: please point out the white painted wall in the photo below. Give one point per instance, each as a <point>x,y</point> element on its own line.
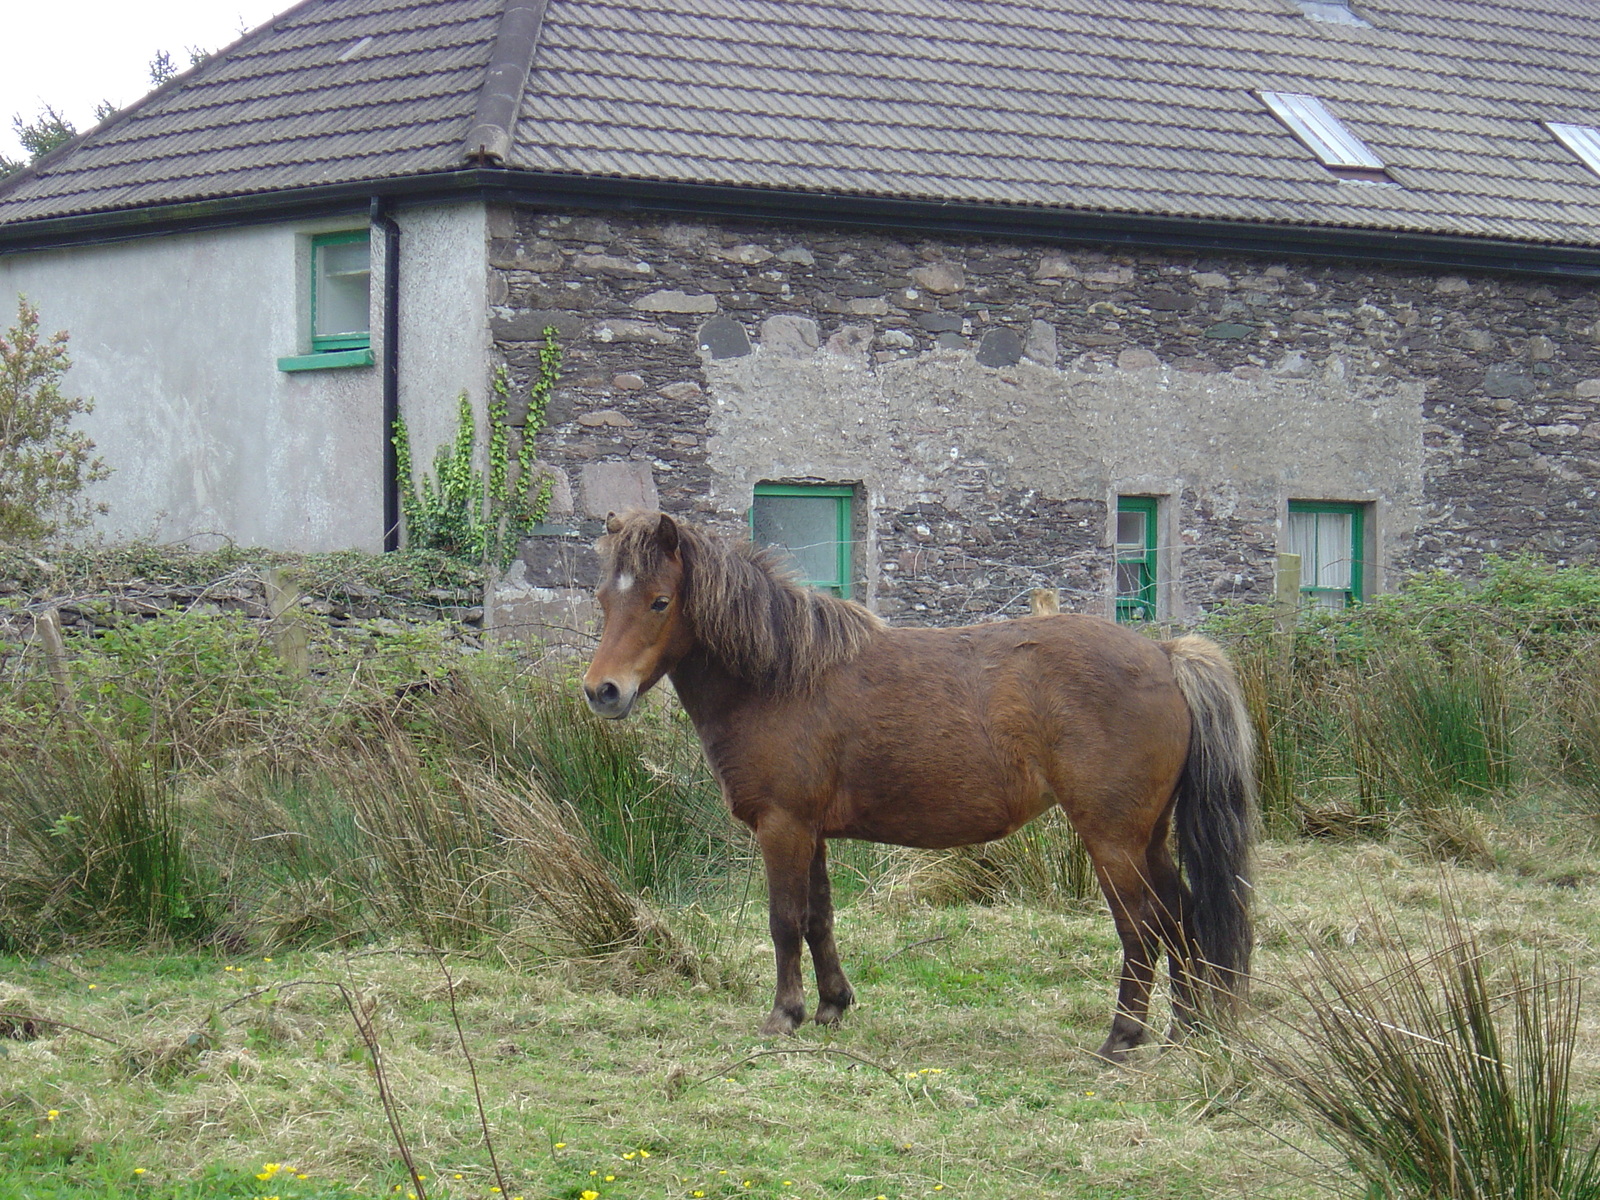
<point>177,339</point>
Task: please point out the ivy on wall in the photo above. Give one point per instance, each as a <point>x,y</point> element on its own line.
<point>471,515</point>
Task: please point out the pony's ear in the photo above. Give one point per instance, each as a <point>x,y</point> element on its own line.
<point>613,523</point>
<point>667,534</point>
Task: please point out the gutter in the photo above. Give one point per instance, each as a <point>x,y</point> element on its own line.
<point>391,371</point>
<point>936,218</point>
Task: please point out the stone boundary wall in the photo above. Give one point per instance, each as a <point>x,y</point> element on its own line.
<point>1500,375</point>
<point>88,611</point>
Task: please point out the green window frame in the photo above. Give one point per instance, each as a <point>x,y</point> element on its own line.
<point>813,525</point>
<point>1136,558</point>
<point>338,303</point>
<point>341,290</point>
<point>1330,538</point>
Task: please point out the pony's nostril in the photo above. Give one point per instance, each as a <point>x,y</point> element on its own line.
<point>603,696</point>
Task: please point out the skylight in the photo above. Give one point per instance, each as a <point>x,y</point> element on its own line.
<point>1582,140</point>
<point>1333,12</point>
<point>1309,120</point>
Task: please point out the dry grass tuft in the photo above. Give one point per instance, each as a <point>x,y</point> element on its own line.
<point>1439,1069</point>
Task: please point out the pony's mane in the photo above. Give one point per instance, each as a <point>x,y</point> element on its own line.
<point>746,610</point>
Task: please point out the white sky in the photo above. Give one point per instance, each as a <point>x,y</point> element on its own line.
<point>76,53</point>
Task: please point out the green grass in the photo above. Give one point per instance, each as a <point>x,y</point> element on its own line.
<point>212,868</point>
<point>966,1064</point>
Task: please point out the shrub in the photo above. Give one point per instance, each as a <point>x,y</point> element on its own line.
<point>45,464</point>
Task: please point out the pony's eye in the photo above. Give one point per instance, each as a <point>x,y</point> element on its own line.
<point>659,604</point>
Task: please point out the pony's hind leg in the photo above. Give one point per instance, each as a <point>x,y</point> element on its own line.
<point>1173,918</point>
<point>1135,909</point>
<point>787,852</point>
<point>833,988</point>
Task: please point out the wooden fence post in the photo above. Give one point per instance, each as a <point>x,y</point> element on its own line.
<point>48,626</point>
<point>1286,594</point>
<point>289,637</point>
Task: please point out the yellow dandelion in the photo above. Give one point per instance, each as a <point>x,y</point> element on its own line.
<point>630,1156</point>
<point>644,1154</point>
<point>699,1193</point>
<point>591,1194</point>
<point>611,1178</point>
<point>52,1114</point>
<point>561,1145</point>
<point>93,986</point>
<point>138,1170</point>
<point>746,1183</point>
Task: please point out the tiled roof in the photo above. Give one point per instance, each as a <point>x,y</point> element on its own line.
<point>1145,107</point>
<point>298,103</point>
<point>1127,106</point>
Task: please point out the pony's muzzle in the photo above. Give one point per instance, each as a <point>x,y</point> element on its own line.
<point>606,699</point>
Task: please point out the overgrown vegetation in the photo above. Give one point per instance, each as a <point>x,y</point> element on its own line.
<point>1416,713</point>
<point>468,514</point>
<point>45,463</point>
<point>183,794</point>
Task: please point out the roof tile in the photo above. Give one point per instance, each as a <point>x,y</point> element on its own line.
<point>1126,106</point>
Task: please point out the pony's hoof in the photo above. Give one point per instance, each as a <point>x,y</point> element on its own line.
<point>831,1013</point>
<point>1115,1051</point>
<point>781,1023</point>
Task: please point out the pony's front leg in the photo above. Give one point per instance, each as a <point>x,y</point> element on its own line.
<point>832,986</point>
<point>787,850</point>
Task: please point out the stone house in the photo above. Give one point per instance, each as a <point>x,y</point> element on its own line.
<point>952,299</point>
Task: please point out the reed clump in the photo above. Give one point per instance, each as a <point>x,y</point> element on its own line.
<point>1439,1069</point>
<point>1422,713</point>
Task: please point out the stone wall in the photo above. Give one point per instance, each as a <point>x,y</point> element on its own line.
<point>993,399</point>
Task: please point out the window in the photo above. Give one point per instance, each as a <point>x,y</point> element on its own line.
<point>1136,558</point>
<point>339,300</point>
<point>1582,140</point>
<point>812,525</point>
<point>1336,148</point>
<point>1329,540</point>
<point>341,272</point>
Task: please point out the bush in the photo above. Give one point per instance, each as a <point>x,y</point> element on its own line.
<point>1418,707</point>
<point>45,464</point>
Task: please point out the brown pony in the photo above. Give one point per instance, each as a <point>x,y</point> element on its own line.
<point>819,721</point>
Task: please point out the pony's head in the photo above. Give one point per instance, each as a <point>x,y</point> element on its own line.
<point>646,631</point>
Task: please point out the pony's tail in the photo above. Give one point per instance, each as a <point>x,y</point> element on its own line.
<point>1216,817</point>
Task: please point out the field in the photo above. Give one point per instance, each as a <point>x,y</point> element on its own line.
<point>417,924</point>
